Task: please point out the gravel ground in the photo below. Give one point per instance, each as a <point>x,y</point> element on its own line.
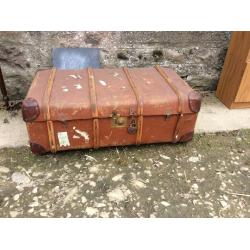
<point>207,177</point>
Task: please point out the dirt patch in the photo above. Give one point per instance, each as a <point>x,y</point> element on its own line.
<point>207,177</point>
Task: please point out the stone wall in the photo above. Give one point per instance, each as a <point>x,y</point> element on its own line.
<point>197,56</point>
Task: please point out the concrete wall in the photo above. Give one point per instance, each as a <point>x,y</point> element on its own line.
<point>197,56</point>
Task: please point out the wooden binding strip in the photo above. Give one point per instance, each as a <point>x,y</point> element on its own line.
<point>180,102</point>
<point>94,109</point>
<point>139,106</point>
<point>50,126</point>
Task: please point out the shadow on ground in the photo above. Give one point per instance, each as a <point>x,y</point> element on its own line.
<point>207,177</point>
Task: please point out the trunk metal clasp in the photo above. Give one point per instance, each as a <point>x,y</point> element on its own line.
<point>118,121</point>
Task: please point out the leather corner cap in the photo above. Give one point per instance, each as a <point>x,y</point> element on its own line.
<point>30,109</point>
<point>37,149</point>
<point>194,101</point>
<point>187,137</point>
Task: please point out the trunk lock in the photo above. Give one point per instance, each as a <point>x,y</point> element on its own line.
<point>132,128</point>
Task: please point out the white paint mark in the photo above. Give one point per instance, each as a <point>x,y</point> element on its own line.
<point>63,139</point>
<point>116,74</point>
<point>73,76</point>
<point>78,86</point>
<point>76,137</point>
<point>103,83</point>
<point>65,89</point>
<point>123,87</point>
<point>83,134</point>
<point>77,76</point>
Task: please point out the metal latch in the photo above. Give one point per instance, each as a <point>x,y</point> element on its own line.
<point>118,121</point>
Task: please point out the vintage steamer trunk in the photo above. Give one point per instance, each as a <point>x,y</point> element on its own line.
<point>92,108</point>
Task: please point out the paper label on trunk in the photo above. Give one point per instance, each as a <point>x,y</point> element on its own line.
<point>63,139</point>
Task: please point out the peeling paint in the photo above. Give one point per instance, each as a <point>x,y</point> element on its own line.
<point>77,76</point>
<point>103,83</point>
<point>65,89</point>
<point>78,86</point>
<point>83,134</point>
<point>73,76</point>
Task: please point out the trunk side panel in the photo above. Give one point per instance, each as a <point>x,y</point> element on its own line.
<point>156,129</point>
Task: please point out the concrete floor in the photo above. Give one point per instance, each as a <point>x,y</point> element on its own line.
<point>213,117</point>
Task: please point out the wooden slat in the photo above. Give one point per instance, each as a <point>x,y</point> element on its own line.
<point>234,83</point>
<point>243,94</point>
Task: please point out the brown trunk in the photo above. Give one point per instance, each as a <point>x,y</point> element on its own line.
<point>91,108</point>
